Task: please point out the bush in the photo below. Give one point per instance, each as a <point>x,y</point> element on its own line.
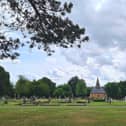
<point>99,100</point>
<point>81,101</point>
<point>64,101</point>
<point>5,102</point>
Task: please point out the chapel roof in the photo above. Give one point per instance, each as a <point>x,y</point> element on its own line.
<point>97,89</point>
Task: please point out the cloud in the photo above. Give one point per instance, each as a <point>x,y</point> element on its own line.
<point>103,56</point>
<point>105,23</point>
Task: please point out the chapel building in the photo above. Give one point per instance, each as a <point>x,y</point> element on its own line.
<point>98,92</point>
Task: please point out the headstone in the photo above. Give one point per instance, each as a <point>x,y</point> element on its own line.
<point>4,99</point>
<point>125,98</point>
<point>24,100</point>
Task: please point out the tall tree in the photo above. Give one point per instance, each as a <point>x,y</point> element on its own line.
<point>23,87</point>
<point>42,89</point>
<point>67,90</point>
<point>89,91</point>
<point>59,92</point>
<point>81,89</point>
<point>73,82</point>
<point>63,91</point>
<point>5,85</point>
<point>44,21</point>
<point>113,90</point>
<point>122,85</point>
<point>50,84</point>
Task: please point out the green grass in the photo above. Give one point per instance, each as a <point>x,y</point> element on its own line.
<point>114,103</point>
<point>94,114</point>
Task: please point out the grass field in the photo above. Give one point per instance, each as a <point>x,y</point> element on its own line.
<point>94,114</point>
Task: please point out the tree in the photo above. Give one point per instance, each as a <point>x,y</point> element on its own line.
<point>81,89</point>
<point>11,92</point>
<point>67,90</point>
<point>116,90</point>
<point>50,84</point>
<point>63,91</point>
<point>73,82</point>
<point>58,92</point>
<point>5,86</point>
<point>122,85</point>
<point>113,90</point>
<point>88,91</point>
<point>42,89</point>
<point>23,87</point>
<point>44,21</point>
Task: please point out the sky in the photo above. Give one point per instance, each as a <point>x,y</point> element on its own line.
<point>104,56</point>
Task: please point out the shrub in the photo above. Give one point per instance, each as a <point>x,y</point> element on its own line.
<point>99,100</point>
<point>81,101</point>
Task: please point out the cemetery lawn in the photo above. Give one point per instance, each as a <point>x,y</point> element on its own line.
<point>63,115</point>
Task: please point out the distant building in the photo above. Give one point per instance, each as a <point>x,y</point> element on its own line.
<point>98,92</point>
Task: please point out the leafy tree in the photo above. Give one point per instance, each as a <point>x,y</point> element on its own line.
<point>113,90</point>
<point>88,91</point>
<point>23,87</point>
<point>42,89</point>
<point>5,85</point>
<point>73,82</point>
<point>50,84</point>
<point>122,85</point>
<point>44,21</point>
<point>116,90</point>
<point>34,84</point>
<point>81,89</point>
<point>67,90</point>
<point>63,91</point>
<point>58,92</point>
<point>11,92</point>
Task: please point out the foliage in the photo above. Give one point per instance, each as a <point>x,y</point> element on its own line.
<point>73,82</point>
<point>81,101</point>
<point>88,90</point>
<point>99,100</point>
<point>58,92</point>
<point>67,90</point>
<point>78,87</point>
<point>41,89</point>
<point>81,89</point>
<point>51,85</point>
<point>122,86</point>
<point>116,90</point>
<point>63,91</point>
<point>23,87</point>
<point>5,85</point>
<point>44,21</point>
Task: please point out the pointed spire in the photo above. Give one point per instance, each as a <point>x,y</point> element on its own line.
<point>97,83</point>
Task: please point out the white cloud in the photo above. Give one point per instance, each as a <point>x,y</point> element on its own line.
<point>103,56</point>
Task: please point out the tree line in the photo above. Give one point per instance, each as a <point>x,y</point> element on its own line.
<point>116,90</point>
<point>45,87</point>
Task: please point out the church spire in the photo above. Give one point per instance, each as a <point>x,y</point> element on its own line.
<point>97,83</point>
